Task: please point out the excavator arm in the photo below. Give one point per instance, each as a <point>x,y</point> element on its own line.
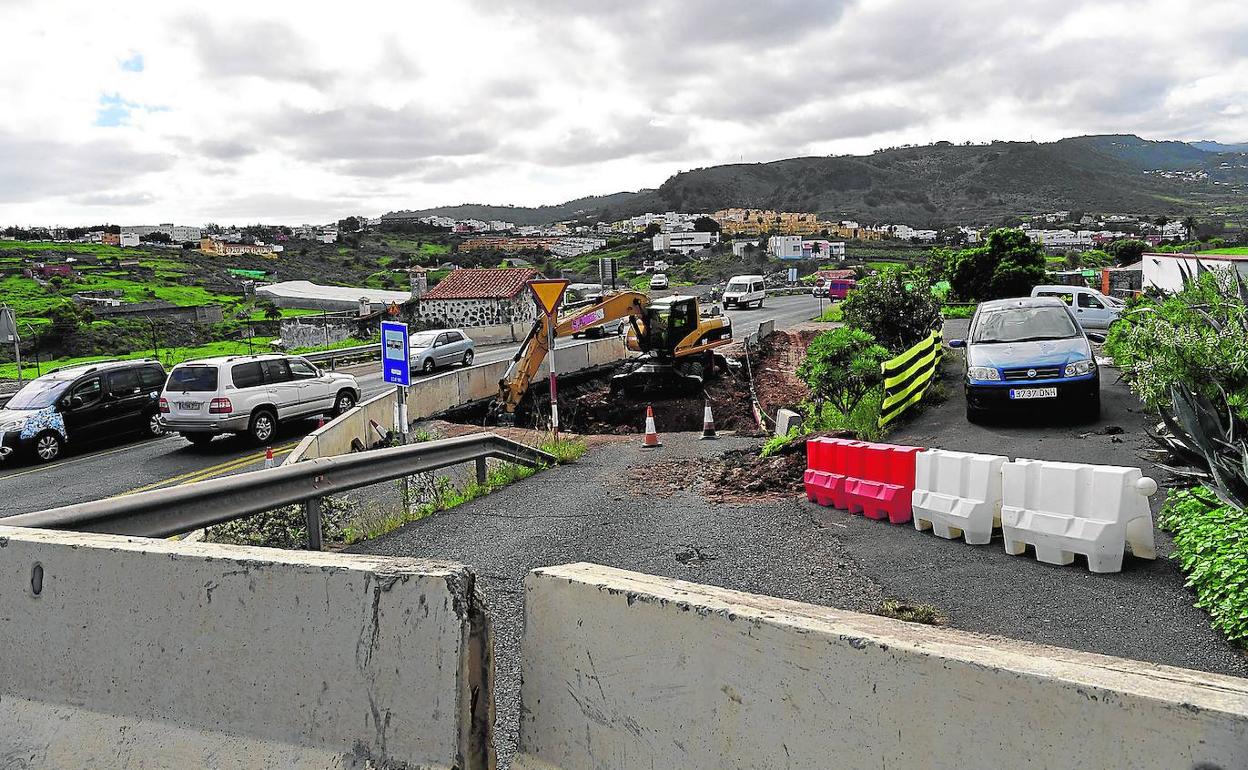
<point>536,345</point>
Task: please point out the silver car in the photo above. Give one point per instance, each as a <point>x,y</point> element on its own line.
<point>428,350</point>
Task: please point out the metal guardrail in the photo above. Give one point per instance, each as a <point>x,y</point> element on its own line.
<point>165,512</point>
<point>343,354</point>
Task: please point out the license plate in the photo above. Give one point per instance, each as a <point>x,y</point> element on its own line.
<point>1019,394</point>
<point>190,406</point>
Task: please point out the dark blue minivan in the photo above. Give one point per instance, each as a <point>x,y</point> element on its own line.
<point>1029,353</point>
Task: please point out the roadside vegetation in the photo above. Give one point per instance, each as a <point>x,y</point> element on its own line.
<point>1186,356</point>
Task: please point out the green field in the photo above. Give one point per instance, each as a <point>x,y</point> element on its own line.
<point>96,249</point>
<point>1230,250</point>
<point>29,300</point>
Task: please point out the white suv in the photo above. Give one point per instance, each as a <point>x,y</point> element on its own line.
<point>251,395</point>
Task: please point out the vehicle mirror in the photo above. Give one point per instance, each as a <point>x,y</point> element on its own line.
<point>957,343</point>
<point>75,402</point>
<point>1097,338</point>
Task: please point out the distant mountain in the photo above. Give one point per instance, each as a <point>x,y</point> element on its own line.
<point>935,185</point>
<point>1219,147</point>
<point>615,206</point>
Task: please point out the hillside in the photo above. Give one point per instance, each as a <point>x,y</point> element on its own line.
<point>937,185</point>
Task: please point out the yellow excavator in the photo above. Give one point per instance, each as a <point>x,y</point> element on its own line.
<point>676,343</point>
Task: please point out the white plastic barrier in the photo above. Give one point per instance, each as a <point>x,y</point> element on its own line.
<point>623,670</point>
<point>958,494</point>
<point>1063,509</point>
<point>129,652</point>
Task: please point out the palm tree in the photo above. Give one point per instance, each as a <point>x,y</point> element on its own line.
<point>1189,222</point>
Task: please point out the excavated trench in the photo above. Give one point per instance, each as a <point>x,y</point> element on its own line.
<point>587,405</point>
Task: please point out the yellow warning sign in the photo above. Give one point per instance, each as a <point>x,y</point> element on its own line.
<point>548,293</point>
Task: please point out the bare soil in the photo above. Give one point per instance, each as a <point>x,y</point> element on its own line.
<point>587,406</point>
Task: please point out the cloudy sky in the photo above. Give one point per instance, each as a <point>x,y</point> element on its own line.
<point>140,112</point>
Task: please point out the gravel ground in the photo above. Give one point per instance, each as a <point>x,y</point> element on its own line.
<point>775,548</point>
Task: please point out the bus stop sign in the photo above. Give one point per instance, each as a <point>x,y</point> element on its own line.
<point>395,368</point>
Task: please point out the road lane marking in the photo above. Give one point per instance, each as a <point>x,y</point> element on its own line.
<point>201,474</point>
<point>80,459</point>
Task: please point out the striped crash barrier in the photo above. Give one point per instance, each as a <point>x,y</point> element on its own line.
<point>1059,509</point>
<point>908,376</point>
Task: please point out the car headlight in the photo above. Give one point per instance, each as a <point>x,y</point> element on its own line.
<point>12,425</point>
<point>1077,368</point>
<point>983,373</point>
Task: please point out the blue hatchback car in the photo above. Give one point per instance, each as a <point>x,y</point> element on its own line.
<point>1029,353</point>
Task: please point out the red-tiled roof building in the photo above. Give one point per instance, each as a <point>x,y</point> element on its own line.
<point>480,297</point>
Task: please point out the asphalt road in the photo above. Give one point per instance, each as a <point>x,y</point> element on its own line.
<point>97,472</point>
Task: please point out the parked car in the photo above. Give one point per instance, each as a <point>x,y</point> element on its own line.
<point>82,404</point>
<point>251,395</point>
<point>744,290</point>
<point>1092,309</point>
<point>658,281</point>
<point>1029,353</point>
<point>440,347</point>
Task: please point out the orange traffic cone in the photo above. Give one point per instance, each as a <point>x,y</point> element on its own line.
<point>652,435</point>
<point>708,423</point>
<point>320,423</point>
<point>268,457</point>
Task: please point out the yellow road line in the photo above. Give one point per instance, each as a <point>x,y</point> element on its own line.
<point>202,474</point>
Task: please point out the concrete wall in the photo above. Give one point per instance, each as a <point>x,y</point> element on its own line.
<point>623,670</point>
<point>434,395</point>
<point>136,652</point>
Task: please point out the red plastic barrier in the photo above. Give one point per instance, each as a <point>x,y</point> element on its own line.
<point>873,479</point>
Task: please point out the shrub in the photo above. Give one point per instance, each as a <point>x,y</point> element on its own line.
<point>1007,265</point>
<point>896,307</point>
<point>841,366</point>
<point>1211,545</point>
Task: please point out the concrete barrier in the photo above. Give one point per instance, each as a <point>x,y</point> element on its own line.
<point>433,395</point>
<point>127,652</point>
<point>623,670</point>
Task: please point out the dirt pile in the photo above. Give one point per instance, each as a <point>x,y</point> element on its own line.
<point>587,405</point>
<point>739,475</point>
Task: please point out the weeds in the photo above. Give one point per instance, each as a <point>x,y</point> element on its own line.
<point>1211,545</point>
<point>911,613</point>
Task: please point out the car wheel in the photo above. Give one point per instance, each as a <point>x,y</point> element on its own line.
<point>344,403</point>
<point>155,428</point>
<point>198,439</point>
<point>975,415</point>
<point>48,446</point>
<point>263,426</point>
<point>427,366</point>
<point>1092,409</point>
<point>468,357</point>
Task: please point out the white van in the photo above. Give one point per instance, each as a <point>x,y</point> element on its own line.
<point>1093,309</point>
<point>744,290</point>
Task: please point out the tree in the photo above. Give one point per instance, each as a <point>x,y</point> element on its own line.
<point>1189,224</point>
<point>652,230</point>
<point>705,225</point>
<point>1007,265</point>
<point>1127,250</point>
<point>842,366</point>
<point>271,312</point>
<point>896,307</point>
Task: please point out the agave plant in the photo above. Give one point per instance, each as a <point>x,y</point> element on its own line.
<point>1200,425</point>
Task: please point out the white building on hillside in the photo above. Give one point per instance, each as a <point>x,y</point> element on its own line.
<point>684,242</point>
<point>796,247</point>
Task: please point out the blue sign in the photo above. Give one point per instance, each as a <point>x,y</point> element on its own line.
<point>395,368</point>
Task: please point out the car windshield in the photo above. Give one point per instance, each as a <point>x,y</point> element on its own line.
<point>424,340</point>
<point>39,394</point>
<point>737,286</point>
<point>1024,324</point>
<point>191,379</point>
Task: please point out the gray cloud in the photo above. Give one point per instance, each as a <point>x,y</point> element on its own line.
<point>35,168</point>
<point>115,199</point>
<point>626,137</point>
<point>377,134</point>
<point>255,49</point>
